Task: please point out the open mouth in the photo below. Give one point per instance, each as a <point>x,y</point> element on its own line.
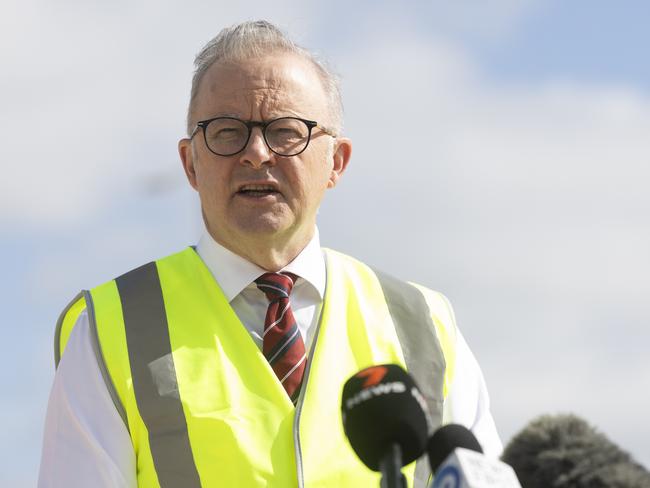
<point>257,191</point>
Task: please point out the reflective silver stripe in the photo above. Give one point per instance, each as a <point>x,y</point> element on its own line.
<point>59,326</point>
<point>94,341</point>
<point>422,351</point>
<point>147,337</point>
<point>101,362</point>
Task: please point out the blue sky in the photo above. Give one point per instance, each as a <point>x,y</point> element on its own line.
<point>519,190</point>
<point>588,41</point>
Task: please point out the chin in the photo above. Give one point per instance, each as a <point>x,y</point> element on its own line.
<point>264,225</point>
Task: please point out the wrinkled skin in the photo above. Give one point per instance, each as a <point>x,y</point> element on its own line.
<point>271,226</point>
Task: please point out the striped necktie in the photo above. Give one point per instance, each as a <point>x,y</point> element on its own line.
<point>282,345</point>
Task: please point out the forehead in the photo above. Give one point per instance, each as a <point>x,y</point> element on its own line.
<point>279,84</point>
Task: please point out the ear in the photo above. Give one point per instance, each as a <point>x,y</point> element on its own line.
<point>341,158</point>
<point>187,158</point>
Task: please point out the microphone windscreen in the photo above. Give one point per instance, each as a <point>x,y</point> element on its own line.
<point>381,406</point>
<point>564,451</point>
<point>448,438</point>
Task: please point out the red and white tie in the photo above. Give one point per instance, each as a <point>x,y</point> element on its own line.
<point>282,344</point>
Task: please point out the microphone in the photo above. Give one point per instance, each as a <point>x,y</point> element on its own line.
<point>386,420</point>
<point>457,460</point>
<point>564,451</point>
<point>446,439</point>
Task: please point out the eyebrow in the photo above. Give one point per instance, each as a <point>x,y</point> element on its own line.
<point>273,115</point>
<point>225,114</point>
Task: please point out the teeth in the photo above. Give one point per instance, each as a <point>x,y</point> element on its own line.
<point>257,188</point>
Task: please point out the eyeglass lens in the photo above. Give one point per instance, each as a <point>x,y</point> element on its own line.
<point>285,136</point>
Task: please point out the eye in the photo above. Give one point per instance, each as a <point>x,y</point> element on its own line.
<point>287,130</point>
<point>226,130</point>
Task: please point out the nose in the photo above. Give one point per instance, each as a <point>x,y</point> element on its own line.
<point>256,153</point>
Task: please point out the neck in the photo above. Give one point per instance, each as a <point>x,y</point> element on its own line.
<point>271,253</point>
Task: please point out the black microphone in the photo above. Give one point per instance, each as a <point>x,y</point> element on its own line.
<point>564,451</point>
<point>447,438</point>
<point>457,460</point>
<point>386,420</point>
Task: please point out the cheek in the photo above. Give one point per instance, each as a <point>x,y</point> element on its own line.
<point>316,183</point>
<point>307,182</point>
<point>317,170</point>
<point>212,184</point>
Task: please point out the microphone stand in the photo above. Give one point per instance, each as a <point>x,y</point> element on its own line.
<point>391,468</point>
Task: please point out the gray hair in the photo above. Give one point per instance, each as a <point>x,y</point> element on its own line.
<point>254,39</point>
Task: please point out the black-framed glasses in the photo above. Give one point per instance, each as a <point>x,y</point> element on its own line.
<point>285,136</point>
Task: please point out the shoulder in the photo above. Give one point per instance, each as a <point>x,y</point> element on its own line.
<point>66,322</point>
<point>406,296</point>
<point>337,258</point>
<point>438,304</point>
<point>136,279</point>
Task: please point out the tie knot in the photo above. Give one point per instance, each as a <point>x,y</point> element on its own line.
<point>276,285</point>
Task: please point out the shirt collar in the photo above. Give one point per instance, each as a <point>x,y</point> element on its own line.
<point>234,273</point>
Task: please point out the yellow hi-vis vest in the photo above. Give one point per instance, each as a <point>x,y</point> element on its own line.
<point>201,403</point>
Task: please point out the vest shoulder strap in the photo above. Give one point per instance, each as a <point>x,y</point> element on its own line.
<point>422,351</point>
<point>160,407</point>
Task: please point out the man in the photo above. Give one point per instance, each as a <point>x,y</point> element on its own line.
<point>158,380</point>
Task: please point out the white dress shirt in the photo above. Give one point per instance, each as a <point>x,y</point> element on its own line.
<point>86,442</point>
